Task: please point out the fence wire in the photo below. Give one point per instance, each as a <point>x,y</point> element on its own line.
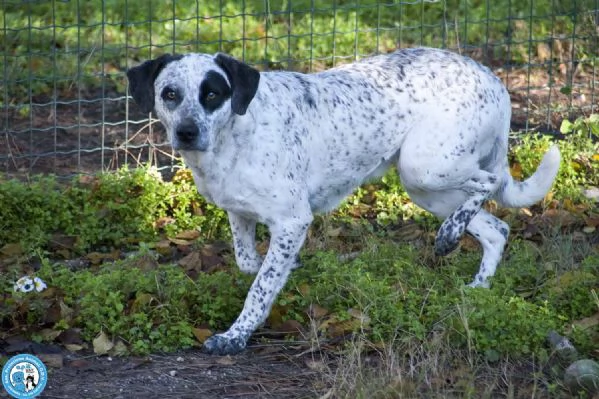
<point>63,94</point>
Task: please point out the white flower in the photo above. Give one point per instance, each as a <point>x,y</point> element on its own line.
<point>24,284</point>
<point>27,284</point>
<point>40,285</point>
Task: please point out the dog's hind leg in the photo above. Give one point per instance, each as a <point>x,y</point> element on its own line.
<point>244,241</point>
<point>492,233</point>
<point>460,206</point>
<point>478,188</point>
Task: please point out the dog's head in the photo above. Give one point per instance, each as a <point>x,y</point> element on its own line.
<point>193,95</point>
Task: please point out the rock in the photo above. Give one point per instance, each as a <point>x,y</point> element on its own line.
<point>582,375</point>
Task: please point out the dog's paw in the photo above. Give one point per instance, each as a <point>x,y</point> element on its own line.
<point>221,345</point>
<point>479,284</point>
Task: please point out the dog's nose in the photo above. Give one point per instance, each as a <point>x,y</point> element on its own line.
<point>187,132</point>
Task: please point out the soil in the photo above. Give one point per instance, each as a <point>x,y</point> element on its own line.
<point>273,371</point>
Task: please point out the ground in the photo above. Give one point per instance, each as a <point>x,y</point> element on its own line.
<point>188,374</point>
<point>265,371</point>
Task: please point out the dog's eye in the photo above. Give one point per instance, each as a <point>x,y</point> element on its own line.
<point>169,94</point>
<point>211,96</point>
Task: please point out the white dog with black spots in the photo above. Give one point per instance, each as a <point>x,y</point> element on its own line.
<point>277,147</point>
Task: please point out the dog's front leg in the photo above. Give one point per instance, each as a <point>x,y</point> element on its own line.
<point>244,241</point>
<point>287,237</point>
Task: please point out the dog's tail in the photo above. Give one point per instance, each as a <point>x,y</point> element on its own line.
<point>516,194</point>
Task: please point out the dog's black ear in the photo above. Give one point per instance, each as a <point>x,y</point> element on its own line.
<point>142,77</point>
<point>244,81</point>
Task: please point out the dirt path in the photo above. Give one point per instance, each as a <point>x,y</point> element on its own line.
<point>260,372</point>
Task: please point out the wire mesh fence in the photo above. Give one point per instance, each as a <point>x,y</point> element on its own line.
<point>63,100</point>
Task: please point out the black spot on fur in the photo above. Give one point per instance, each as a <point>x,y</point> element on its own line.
<point>214,91</point>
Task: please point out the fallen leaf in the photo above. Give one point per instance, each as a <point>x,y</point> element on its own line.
<point>96,258</point>
<point>74,347</point>
<point>188,235</point>
<point>51,360</point>
<point>516,171</point>
<point>226,361</point>
<point>178,241</point>
<point>193,261</point>
<point>65,312</point>
<point>290,327</point>
<point>587,322</point>
<point>145,262</point>
<point>202,334</point>
<point>142,299</point>
<point>13,249</point>
<point>49,334</point>
<point>79,363</point>
<point>358,314</point>
<point>275,317</point>
<point>102,344</point>
<point>409,232</point>
<point>211,263</point>
<point>119,349</point>
<point>316,311</point>
<point>164,247</point>
<point>60,241</point>
<point>161,222</point>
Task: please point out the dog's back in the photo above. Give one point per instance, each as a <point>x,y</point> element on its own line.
<point>350,122</point>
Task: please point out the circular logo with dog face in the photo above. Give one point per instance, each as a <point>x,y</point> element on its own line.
<point>24,376</point>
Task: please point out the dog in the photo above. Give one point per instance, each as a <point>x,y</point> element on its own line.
<point>277,147</point>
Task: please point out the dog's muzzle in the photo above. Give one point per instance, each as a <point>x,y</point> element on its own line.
<point>190,136</point>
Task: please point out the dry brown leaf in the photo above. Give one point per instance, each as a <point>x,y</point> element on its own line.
<point>102,344</point>
<point>211,263</point>
<point>119,349</point>
<point>146,262</point>
<point>275,317</point>
<point>163,247</point>
<point>74,347</point>
<point>316,311</point>
<point>161,222</point>
<point>12,249</point>
<point>587,322</point>
<point>409,232</point>
<point>202,334</point>
<point>358,314</point>
<point>188,235</point>
<point>52,360</point>
<point>49,334</point>
<point>70,336</point>
<point>290,327</point>
<point>516,171</point>
<point>178,241</point>
<point>191,261</point>
<point>226,361</point>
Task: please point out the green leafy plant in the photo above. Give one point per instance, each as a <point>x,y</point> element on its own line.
<point>580,156</point>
